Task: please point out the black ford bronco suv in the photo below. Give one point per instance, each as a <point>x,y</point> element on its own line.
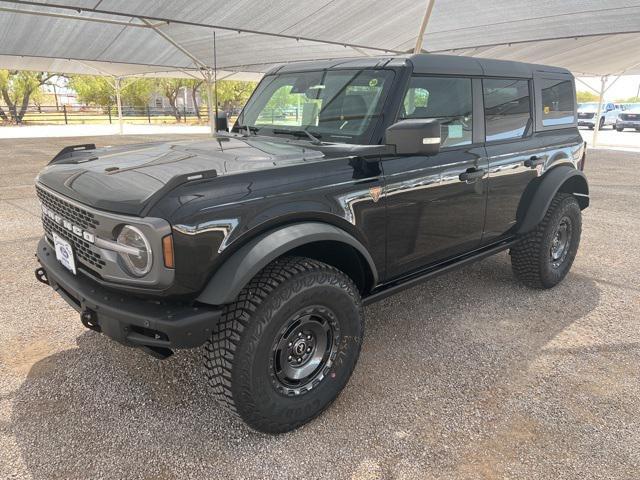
<point>341,182</point>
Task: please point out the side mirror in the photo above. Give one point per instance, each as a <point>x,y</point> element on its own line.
<point>414,137</point>
<point>222,122</point>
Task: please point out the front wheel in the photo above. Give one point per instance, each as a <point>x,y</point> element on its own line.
<point>543,257</point>
<point>287,347</point>
<point>619,129</point>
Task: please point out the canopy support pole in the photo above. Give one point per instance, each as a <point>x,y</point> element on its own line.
<point>595,90</point>
<point>423,26</point>
<point>596,119</point>
<point>212,119</point>
<point>119,104</point>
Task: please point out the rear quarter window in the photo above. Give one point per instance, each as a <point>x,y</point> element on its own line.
<point>557,102</point>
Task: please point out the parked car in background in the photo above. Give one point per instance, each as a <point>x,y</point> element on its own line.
<point>608,114</point>
<point>629,118</point>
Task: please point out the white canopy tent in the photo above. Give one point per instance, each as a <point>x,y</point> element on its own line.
<point>175,37</point>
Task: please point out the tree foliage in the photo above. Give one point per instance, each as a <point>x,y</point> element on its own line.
<point>585,96</point>
<point>95,90</point>
<point>232,93</point>
<point>18,88</point>
<point>137,91</point>
<point>629,100</point>
<point>170,88</point>
<point>194,85</point>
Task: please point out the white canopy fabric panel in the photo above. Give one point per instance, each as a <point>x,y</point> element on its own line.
<point>175,37</point>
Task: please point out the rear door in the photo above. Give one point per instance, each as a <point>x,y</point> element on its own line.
<point>432,213</point>
<point>511,148</point>
<point>521,145</point>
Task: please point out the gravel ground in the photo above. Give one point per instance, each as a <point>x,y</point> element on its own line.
<point>467,376</point>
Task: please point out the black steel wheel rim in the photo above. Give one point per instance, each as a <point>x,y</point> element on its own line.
<point>304,350</point>
<point>561,242</point>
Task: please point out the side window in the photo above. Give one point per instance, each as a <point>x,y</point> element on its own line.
<point>558,104</point>
<point>445,99</point>
<point>507,108</point>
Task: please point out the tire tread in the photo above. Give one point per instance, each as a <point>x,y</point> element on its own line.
<point>525,255</point>
<point>220,350</point>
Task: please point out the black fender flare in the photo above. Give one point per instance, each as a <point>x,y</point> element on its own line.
<point>574,182</point>
<point>228,280</point>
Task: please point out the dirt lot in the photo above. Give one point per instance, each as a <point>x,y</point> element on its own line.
<point>468,376</point>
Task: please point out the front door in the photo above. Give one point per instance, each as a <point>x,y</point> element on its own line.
<point>436,204</point>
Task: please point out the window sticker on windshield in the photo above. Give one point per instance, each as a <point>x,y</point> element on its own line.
<point>373,82</point>
<point>455,131</point>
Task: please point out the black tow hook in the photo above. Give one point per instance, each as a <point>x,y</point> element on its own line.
<point>41,276</point>
<point>89,320</point>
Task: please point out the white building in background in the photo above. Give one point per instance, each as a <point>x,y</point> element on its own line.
<point>56,95</point>
<point>183,101</point>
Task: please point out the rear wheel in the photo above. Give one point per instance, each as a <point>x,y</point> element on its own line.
<point>286,348</point>
<point>543,257</point>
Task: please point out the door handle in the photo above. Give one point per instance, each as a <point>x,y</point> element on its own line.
<point>533,162</point>
<point>471,175</point>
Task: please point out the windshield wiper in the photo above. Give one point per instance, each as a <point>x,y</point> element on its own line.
<point>315,139</point>
<point>248,129</point>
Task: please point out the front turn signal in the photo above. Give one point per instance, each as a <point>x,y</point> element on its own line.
<point>167,251</point>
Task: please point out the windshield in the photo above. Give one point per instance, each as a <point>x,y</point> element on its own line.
<point>332,105</point>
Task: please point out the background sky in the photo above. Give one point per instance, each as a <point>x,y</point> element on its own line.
<point>625,87</point>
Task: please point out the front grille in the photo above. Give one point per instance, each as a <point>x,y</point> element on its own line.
<point>81,247</point>
<point>84,251</point>
<point>630,116</point>
<point>586,115</point>
<point>76,215</point>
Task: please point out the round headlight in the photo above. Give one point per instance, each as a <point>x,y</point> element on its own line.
<point>139,260</point>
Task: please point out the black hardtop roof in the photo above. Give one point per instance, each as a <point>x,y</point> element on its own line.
<point>426,63</point>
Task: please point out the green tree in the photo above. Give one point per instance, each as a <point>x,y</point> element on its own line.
<point>586,97</point>
<point>232,93</point>
<point>194,85</point>
<point>96,90</point>
<point>629,100</point>
<point>170,88</point>
<point>17,89</point>
<point>93,90</point>
<point>137,91</point>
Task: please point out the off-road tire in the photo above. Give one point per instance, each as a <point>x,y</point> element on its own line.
<point>531,259</point>
<point>239,355</point>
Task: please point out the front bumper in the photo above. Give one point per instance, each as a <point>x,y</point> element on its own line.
<point>627,123</point>
<point>157,325</point>
<point>585,122</point>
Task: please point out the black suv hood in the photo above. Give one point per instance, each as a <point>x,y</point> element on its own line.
<point>125,179</point>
